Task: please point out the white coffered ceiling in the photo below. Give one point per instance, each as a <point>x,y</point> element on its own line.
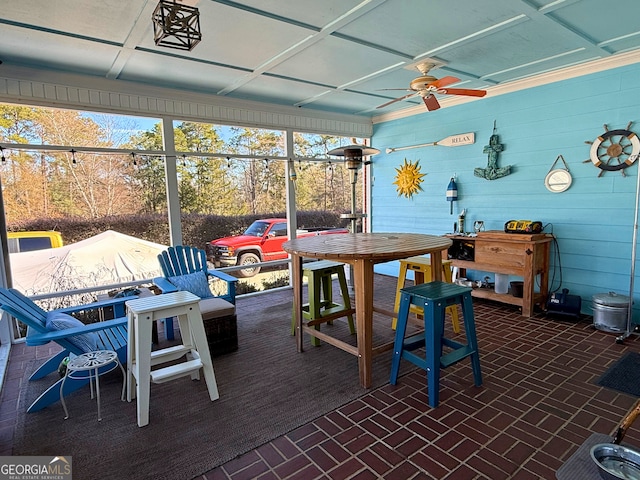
<point>328,55</point>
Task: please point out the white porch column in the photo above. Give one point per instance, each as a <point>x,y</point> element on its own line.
<point>171,179</point>
<point>290,172</point>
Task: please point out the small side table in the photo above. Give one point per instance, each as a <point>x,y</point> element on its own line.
<point>90,366</point>
<point>146,292</point>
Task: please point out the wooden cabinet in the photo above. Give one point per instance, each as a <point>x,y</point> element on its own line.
<point>522,255</point>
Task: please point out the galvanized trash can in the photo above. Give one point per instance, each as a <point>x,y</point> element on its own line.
<point>610,312</point>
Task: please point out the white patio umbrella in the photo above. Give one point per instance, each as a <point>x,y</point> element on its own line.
<point>108,258</point>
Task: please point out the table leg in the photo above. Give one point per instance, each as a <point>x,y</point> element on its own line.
<point>143,366</point>
<point>97,392</point>
<point>436,266</point>
<point>131,340</point>
<point>64,405</point>
<point>199,337</point>
<point>544,271</point>
<point>363,279</point>
<point>296,267</point>
<point>529,281</point>
<point>402,275</point>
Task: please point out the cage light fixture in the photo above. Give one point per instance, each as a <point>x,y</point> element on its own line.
<point>176,25</point>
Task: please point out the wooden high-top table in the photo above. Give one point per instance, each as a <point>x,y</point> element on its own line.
<point>362,251</point>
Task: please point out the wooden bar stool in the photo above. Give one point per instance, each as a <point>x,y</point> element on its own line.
<point>421,267</point>
<point>321,307</point>
<point>434,297</point>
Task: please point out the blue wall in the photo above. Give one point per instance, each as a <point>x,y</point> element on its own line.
<point>593,220</point>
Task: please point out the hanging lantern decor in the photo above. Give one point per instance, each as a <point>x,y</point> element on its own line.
<point>176,25</point>
<point>452,194</point>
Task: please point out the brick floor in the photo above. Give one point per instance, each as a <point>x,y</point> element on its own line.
<point>537,405</point>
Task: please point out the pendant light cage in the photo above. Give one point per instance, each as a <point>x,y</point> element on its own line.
<point>176,25</point>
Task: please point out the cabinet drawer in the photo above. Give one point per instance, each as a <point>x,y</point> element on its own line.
<point>500,253</point>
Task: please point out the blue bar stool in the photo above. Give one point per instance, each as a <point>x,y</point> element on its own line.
<point>434,298</point>
<point>321,307</point>
<point>421,267</point>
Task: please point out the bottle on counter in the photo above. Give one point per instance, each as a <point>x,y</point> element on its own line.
<point>461,221</point>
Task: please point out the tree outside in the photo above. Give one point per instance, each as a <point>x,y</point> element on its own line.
<point>66,183</point>
<point>86,182</point>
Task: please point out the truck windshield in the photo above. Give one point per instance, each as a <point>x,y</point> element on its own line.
<point>257,229</point>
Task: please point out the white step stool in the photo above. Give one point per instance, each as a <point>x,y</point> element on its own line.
<point>142,313</point>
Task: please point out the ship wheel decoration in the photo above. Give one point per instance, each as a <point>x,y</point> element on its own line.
<point>614,150</point>
<point>408,178</point>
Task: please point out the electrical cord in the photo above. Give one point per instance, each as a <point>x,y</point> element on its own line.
<point>555,261</point>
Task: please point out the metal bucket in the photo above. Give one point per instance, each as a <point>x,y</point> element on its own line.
<point>610,312</point>
<point>616,461</point>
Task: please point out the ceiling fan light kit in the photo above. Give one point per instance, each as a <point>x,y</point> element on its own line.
<point>176,25</point>
<point>426,86</point>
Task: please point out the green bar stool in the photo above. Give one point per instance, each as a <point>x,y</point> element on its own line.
<point>434,298</point>
<point>321,307</point>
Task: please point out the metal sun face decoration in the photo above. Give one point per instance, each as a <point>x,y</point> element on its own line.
<point>408,178</point>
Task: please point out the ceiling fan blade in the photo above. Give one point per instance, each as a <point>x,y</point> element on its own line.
<point>431,102</point>
<point>463,91</point>
<point>444,81</point>
<point>397,99</point>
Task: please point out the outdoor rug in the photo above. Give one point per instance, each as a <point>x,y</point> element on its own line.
<point>266,389</point>
<point>624,375</point>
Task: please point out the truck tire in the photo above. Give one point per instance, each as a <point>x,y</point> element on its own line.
<point>248,259</point>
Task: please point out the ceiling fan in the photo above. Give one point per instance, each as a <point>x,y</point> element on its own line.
<point>426,85</point>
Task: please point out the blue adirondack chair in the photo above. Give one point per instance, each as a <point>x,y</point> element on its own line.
<point>109,335</point>
<point>179,265</point>
<point>182,260</point>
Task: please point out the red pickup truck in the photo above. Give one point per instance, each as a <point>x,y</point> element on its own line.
<point>261,242</point>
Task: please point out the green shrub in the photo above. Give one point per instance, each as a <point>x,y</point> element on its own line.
<point>276,281</point>
<point>244,287</point>
<point>197,229</point>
